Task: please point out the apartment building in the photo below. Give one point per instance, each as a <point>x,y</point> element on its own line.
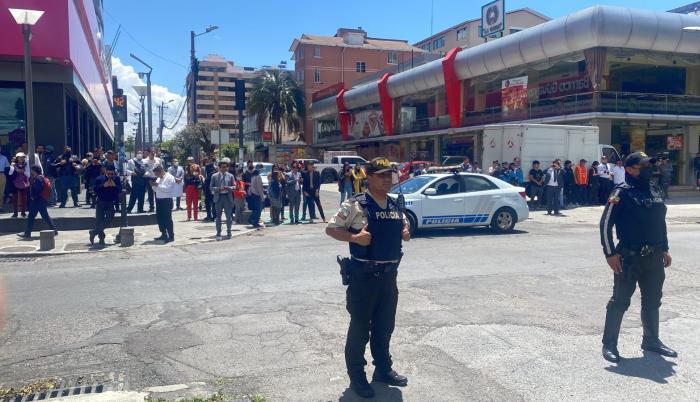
<point>467,33</point>
<point>216,95</point>
<point>336,61</point>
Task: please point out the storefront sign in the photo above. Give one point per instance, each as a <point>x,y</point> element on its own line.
<point>674,142</point>
<point>327,92</point>
<point>365,124</point>
<point>492,18</point>
<point>563,87</point>
<point>514,94</point>
<point>267,136</point>
<point>287,154</point>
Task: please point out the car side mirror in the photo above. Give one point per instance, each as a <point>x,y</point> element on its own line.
<point>430,191</point>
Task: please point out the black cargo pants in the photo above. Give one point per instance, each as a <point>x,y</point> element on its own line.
<point>371,302</point>
<point>648,271</point>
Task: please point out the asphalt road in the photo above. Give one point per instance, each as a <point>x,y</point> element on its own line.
<point>481,316</point>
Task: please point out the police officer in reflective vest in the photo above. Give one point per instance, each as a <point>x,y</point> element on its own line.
<point>374,226</point>
<point>636,209</point>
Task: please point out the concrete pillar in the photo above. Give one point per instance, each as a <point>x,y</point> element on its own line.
<point>127,236</point>
<point>605,126</point>
<point>47,240</point>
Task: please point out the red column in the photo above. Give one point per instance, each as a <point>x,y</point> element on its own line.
<point>343,114</point>
<point>387,104</point>
<point>453,88</point>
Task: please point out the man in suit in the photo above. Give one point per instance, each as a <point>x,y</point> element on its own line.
<point>312,185</point>
<point>221,187</point>
<point>553,184</point>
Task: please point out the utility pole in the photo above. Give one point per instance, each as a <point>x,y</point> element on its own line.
<point>193,80</point>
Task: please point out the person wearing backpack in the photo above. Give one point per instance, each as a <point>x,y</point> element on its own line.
<point>39,194</point>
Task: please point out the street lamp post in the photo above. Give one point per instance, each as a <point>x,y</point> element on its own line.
<point>148,97</point>
<point>27,18</point>
<point>194,67</point>
<point>141,91</point>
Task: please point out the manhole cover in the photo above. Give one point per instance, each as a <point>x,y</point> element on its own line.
<point>76,246</point>
<point>138,234</point>
<point>18,249</point>
<point>62,386</point>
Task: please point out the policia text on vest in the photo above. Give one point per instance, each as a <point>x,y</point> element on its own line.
<point>375,227</point>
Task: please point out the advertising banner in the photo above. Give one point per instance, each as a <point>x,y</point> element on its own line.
<point>562,87</point>
<point>365,124</point>
<point>674,142</point>
<point>514,95</point>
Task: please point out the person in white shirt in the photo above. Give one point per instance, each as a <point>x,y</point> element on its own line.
<point>179,174</point>
<point>165,189</point>
<point>618,173</point>
<point>150,163</point>
<point>4,165</point>
<point>605,180</point>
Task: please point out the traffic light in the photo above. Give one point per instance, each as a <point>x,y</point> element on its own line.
<point>240,95</point>
<point>119,108</point>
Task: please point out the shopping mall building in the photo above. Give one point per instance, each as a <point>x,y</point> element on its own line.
<point>633,73</point>
<point>71,77</point>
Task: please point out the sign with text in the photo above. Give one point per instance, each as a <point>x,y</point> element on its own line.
<point>327,92</point>
<point>493,18</point>
<point>220,137</point>
<point>674,142</point>
<point>514,94</point>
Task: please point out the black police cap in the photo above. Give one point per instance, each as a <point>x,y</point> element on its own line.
<point>638,158</point>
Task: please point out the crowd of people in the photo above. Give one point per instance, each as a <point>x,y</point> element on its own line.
<point>223,191</point>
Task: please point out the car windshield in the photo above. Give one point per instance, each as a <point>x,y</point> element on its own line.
<point>410,186</point>
<point>266,169</point>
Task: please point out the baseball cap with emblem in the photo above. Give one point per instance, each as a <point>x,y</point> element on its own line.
<point>638,158</point>
<point>378,165</point>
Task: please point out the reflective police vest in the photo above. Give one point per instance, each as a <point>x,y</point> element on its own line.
<point>385,225</point>
<point>581,174</point>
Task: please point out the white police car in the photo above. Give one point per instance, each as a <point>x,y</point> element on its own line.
<point>462,199</point>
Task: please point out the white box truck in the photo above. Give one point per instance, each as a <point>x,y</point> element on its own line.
<point>543,142</point>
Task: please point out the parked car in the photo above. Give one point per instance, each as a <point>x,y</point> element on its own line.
<point>407,168</point>
<point>330,171</point>
<point>462,199</point>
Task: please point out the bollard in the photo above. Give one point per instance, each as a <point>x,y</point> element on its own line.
<point>127,236</point>
<point>246,216</point>
<point>46,240</point>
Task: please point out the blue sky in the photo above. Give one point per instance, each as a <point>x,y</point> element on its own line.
<point>257,33</point>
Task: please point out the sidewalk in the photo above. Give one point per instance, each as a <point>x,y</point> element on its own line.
<point>77,241</point>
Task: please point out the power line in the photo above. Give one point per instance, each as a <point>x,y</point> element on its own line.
<point>178,117</point>
<point>141,45</point>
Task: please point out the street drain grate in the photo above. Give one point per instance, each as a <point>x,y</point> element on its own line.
<point>17,259</point>
<point>93,383</point>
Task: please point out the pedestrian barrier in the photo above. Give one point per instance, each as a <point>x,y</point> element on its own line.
<point>47,240</point>
<point>127,236</point>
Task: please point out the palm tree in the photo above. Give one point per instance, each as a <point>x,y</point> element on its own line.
<point>276,101</point>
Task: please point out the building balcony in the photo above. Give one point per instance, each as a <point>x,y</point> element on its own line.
<point>591,102</point>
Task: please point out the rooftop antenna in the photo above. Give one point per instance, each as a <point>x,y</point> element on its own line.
<point>432,11</point>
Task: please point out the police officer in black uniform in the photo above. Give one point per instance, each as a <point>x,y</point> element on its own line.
<point>374,226</point>
<point>636,209</point>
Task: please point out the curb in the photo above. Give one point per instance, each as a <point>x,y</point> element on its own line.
<point>29,254</point>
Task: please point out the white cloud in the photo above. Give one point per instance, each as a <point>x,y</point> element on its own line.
<point>128,77</point>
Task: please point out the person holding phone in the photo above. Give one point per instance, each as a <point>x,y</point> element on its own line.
<point>107,188</point>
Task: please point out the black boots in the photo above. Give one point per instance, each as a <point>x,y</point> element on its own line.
<point>613,321</point>
<point>651,342</point>
<point>359,384</point>
<point>390,378</point>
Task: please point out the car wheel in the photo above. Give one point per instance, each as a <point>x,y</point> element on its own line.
<point>503,220</point>
<point>412,223</point>
<point>328,176</point>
